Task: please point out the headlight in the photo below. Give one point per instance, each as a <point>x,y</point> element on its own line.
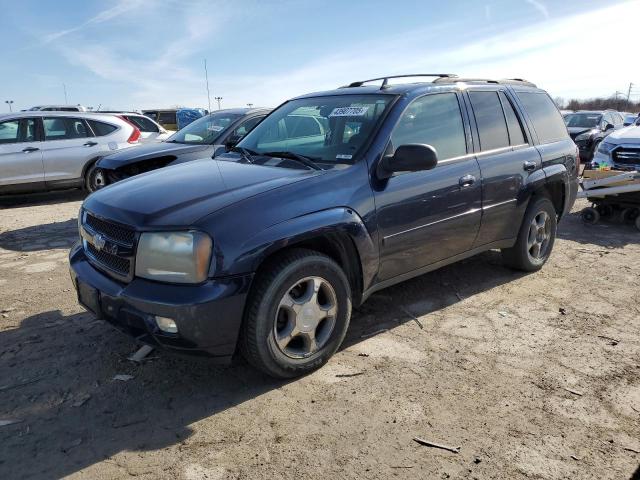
<point>180,257</point>
<point>606,147</point>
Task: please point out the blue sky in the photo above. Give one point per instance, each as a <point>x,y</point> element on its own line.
<point>145,53</point>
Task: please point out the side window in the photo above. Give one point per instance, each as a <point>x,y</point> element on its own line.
<point>433,120</point>
<point>64,128</point>
<point>101,129</point>
<point>301,126</point>
<point>544,115</point>
<point>18,131</point>
<point>516,135</point>
<point>492,127</point>
<point>246,127</point>
<point>143,123</point>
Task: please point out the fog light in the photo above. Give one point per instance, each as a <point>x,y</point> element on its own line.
<point>166,324</point>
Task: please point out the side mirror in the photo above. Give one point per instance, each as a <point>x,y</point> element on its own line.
<point>608,126</point>
<point>232,141</point>
<point>413,157</point>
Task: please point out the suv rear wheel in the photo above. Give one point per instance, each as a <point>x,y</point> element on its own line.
<point>297,314</point>
<point>535,239</point>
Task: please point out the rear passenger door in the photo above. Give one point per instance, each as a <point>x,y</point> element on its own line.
<point>506,158</point>
<point>20,154</point>
<point>428,216</point>
<point>68,145</point>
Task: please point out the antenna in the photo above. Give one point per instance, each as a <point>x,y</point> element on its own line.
<point>206,76</point>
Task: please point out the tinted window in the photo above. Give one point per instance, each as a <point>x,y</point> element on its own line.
<point>246,127</point>
<point>17,131</point>
<point>167,117</point>
<point>434,120</point>
<point>143,123</point>
<point>64,128</point>
<point>544,115</point>
<point>516,136</point>
<point>490,119</point>
<point>583,120</point>
<point>101,129</point>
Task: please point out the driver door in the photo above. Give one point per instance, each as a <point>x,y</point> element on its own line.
<point>428,216</point>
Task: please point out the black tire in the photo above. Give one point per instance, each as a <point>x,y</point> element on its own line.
<point>94,179</point>
<point>523,255</point>
<point>629,215</point>
<point>276,280</point>
<point>605,211</point>
<point>590,216</point>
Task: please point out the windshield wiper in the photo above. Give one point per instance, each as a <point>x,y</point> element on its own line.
<point>245,153</point>
<point>294,156</point>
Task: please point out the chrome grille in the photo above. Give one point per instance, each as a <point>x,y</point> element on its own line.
<point>109,246</point>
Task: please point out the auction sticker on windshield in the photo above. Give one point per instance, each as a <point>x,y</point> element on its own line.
<point>349,112</point>
<point>215,128</point>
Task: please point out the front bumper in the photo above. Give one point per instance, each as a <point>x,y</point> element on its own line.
<point>208,315</point>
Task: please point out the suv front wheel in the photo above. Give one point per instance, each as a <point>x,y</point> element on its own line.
<point>535,239</point>
<point>297,314</point>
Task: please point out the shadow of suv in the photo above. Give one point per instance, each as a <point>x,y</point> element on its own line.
<point>333,196</point>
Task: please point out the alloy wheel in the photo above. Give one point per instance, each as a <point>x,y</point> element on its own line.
<point>539,236</point>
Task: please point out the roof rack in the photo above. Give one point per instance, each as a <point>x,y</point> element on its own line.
<point>506,81</point>
<point>385,80</point>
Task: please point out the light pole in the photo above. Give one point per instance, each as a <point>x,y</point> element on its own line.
<point>218,100</point>
<point>9,102</point>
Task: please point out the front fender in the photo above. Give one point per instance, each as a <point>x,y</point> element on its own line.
<point>341,220</point>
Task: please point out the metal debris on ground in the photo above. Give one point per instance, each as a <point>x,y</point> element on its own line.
<point>427,443</point>
<point>141,353</point>
<point>9,421</point>
<point>503,314</point>
<point>347,375</point>
<point>575,392</point>
<point>613,341</point>
<point>123,378</point>
<point>366,335</point>
<point>413,317</point>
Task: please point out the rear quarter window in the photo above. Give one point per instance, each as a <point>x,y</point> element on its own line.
<point>544,115</point>
<point>101,129</point>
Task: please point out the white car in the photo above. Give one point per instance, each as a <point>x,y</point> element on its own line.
<point>57,108</point>
<point>619,150</point>
<point>150,131</point>
<point>41,150</point>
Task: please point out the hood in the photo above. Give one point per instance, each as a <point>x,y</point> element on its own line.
<point>625,135</point>
<point>575,131</point>
<point>181,194</point>
<point>148,151</point>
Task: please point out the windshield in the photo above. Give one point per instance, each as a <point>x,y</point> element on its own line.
<point>205,130</point>
<point>330,129</point>
<point>582,120</point>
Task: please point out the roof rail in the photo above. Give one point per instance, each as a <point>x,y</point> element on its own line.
<point>385,80</point>
<point>506,81</point>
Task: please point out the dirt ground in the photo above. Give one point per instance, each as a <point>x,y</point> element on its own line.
<point>532,376</point>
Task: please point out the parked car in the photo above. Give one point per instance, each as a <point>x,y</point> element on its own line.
<point>150,131</point>
<point>630,119</point>
<point>201,139</point>
<point>588,128</point>
<point>41,150</point>
<point>620,150</point>
<point>566,113</point>
<point>175,118</point>
<point>266,249</point>
<point>57,108</point>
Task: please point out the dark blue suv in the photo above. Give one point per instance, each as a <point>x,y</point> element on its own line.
<point>335,195</point>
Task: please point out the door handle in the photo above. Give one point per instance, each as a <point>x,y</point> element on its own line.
<point>30,149</point>
<point>466,181</point>
<point>90,144</point>
<point>529,166</point>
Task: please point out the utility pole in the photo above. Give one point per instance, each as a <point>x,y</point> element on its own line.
<point>206,76</point>
<point>64,87</point>
<point>629,91</point>
<point>9,102</point>
<point>218,99</point>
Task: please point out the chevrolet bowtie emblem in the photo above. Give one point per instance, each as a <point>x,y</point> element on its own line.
<point>99,242</point>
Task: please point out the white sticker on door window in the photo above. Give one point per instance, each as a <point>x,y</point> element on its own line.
<point>215,128</point>
<point>349,112</point>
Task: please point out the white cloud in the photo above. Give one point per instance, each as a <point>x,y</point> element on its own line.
<point>552,53</point>
<point>541,7</point>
